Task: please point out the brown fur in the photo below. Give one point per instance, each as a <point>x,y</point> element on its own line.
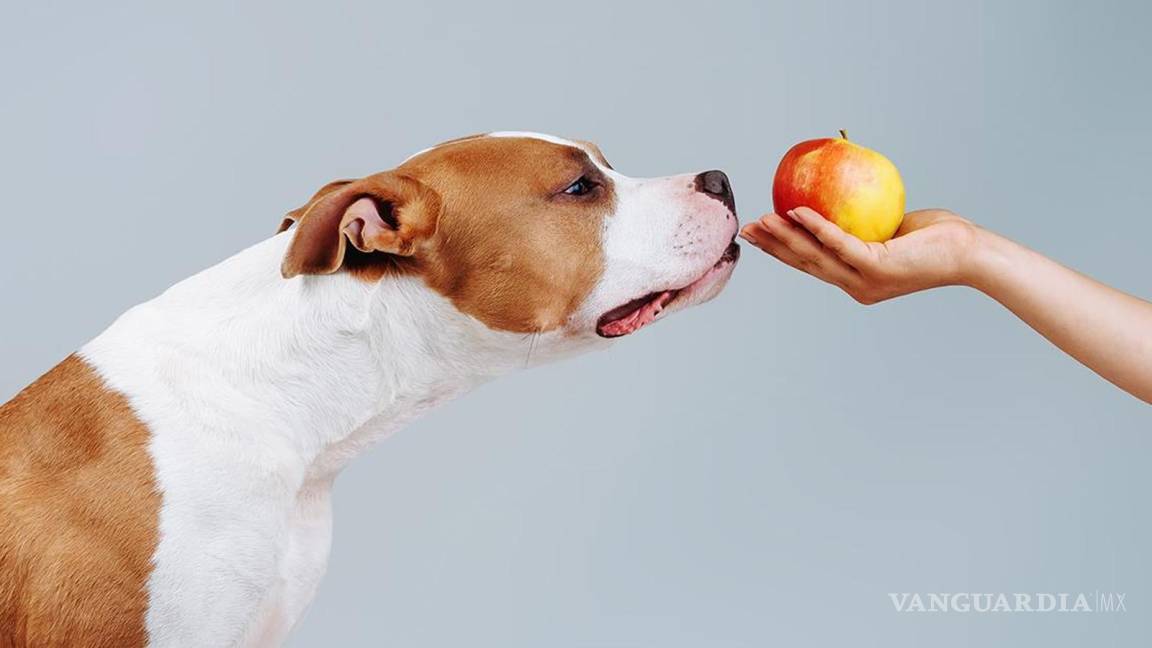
<point>397,214</point>
<point>595,152</point>
<point>508,247</point>
<point>78,514</point>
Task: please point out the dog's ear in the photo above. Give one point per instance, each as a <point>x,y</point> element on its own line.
<point>383,213</point>
<point>291,217</point>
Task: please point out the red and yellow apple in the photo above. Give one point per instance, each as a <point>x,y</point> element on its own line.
<point>855,187</point>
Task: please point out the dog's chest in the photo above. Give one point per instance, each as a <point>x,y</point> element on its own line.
<point>303,559</point>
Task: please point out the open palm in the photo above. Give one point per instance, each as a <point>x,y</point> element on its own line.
<point>930,249</point>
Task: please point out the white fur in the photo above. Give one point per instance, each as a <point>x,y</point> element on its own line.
<point>258,391</point>
<point>664,235</point>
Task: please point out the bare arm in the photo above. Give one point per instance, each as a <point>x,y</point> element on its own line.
<point>1107,330</point>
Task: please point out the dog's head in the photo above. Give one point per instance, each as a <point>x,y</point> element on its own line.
<point>528,234</point>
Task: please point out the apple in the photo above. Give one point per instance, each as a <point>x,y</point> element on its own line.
<point>853,186</point>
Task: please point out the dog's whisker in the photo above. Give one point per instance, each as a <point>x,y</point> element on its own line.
<point>531,346</point>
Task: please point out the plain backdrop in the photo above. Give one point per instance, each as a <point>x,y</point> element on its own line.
<point>762,470</point>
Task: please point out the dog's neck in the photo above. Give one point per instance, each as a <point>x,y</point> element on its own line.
<point>313,369</point>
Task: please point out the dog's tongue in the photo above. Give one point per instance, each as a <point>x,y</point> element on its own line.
<point>633,315</point>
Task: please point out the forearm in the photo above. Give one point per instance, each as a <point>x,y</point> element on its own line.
<point>1104,328</point>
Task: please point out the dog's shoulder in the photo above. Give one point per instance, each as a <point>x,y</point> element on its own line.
<point>78,513</point>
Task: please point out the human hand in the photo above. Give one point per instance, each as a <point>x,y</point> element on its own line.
<point>932,248</point>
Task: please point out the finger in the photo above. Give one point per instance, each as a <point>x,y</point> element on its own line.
<point>848,248</point>
<point>772,246</point>
<point>751,231</point>
<point>755,234</point>
<point>805,246</point>
<point>825,267</point>
<point>838,274</point>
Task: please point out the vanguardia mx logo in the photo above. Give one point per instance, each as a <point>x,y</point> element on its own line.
<point>998,602</point>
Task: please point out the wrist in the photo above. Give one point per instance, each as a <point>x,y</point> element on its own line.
<point>987,259</point>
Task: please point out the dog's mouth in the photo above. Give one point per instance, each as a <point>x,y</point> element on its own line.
<point>634,315</point>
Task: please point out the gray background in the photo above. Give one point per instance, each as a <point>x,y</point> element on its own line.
<point>759,471</point>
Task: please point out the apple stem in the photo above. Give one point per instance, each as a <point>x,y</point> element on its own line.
<point>843,133</point>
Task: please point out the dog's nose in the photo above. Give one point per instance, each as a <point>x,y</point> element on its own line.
<point>715,183</point>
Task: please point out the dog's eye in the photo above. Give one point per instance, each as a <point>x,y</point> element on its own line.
<point>580,187</point>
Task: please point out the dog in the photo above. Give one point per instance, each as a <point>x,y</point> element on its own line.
<point>170,483</point>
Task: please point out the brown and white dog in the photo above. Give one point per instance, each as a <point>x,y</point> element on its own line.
<point>169,484</point>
